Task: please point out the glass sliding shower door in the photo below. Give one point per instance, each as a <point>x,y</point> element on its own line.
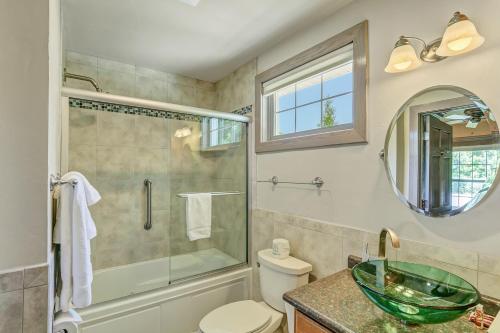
<point>143,162</point>
<point>208,157</point>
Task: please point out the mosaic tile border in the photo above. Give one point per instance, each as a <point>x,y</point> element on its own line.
<point>127,109</point>
<point>244,110</point>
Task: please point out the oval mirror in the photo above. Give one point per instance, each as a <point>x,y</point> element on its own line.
<point>442,151</point>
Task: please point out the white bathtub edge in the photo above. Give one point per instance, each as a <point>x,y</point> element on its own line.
<point>134,303</point>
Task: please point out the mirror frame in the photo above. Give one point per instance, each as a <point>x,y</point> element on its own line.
<point>384,154</point>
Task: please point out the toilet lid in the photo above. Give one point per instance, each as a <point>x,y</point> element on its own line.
<point>238,317</point>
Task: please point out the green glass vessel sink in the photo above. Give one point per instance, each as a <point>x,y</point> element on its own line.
<point>416,294</point>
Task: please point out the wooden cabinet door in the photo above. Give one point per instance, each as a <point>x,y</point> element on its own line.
<point>304,324</point>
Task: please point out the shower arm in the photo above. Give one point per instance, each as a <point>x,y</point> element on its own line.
<point>82,78</point>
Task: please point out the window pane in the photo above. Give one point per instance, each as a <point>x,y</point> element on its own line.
<point>337,81</point>
<point>465,157</point>
<point>237,132</point>
<point>309,117</point>
<point>455,172</point>
<point>227,136</point>
<point>309,90</point>
<point>479,156</point>
<point>286,98</point>
<point>466,171</point>
<point>214,138</point>
<point>285,122</point>
<point>214,123</point>
<point>337,111</point>
<point>479,172</point>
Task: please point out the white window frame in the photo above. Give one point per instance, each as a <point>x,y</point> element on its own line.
<point>266,141</point>
<point>207,131</point>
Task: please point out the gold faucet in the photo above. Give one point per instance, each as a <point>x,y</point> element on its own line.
<point>382,238</point>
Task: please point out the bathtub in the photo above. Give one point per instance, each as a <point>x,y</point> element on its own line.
<point>138,298</point>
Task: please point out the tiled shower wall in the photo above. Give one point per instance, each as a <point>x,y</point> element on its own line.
<point>129,80</point>
<point>23,300</point>
<point>326,246</point>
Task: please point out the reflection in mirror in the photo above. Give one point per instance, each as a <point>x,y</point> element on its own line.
<point>442,151</point>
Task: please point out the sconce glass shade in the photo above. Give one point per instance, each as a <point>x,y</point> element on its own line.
<point>403,58</point>
<point>461,36</point>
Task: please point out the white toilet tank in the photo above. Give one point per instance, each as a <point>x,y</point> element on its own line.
<point>277,276</point>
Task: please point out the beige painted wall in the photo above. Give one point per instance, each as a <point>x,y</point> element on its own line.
<point>24,62</point>
<point>356,191</point>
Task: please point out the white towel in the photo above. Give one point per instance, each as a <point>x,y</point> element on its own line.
<point>198,215</point>
<point>73,230</point>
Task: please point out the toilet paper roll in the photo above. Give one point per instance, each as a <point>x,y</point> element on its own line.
<point>66,322</point>
<point>281,248</point>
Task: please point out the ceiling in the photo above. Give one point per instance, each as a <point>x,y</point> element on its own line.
<point>206,42</point>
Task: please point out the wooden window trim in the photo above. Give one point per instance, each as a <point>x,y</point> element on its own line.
<point>358,36</point>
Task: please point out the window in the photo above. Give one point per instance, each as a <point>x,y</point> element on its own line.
<point>220,132</point>
<point>321,101</point>
<point>473,172</point>
<point>317,98</point>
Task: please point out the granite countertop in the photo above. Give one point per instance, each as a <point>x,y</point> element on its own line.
<point>337,303</point>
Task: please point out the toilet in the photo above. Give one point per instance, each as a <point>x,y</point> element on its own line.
<point>277,276</point>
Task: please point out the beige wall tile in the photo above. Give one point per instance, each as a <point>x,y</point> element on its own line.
<point>35,309</point>
<point>151,73</point>
<point>489,264</point>
<point>81,59</point>
<point>322,251</point>
<point>237,89</point>
<point>82,126</point>
<point>180,79</point>
<point>152,132</point>
<point>115,162</point>
<point>116,66</point>
<point>115,129</point>
<point>36,276</point>
<point>489,284</point>
<point>11,281</point>
<point>83,158</point>
<point>116,82</point>
<point>11,312</point>
<point>457,257</point>
<point>206,99</point>
<point>181,94</point>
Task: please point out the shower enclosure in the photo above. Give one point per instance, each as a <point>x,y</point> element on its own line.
<point>144,158</point>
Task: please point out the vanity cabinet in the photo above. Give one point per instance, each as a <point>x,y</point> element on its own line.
<point>304,324</point>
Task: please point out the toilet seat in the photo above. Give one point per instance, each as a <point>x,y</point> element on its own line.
<point>239,317</point>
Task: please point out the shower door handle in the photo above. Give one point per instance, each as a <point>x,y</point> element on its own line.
<point>149,223</point>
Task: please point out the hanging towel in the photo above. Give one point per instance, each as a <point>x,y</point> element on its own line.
<point>73,230</point>
<point>198,215</point>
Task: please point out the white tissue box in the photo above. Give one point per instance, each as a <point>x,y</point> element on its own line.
<point>281,248</point>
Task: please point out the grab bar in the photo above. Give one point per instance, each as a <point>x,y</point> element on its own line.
<point>149,223</point>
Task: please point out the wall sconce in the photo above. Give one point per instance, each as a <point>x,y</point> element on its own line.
<point>460,36</point>
<point>182,132</point>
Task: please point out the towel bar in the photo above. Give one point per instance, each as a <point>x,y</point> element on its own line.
<point>56,181</point>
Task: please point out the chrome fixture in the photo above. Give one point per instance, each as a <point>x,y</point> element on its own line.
<point>149,221</point>
<point>460,36</point>
<point>185,195</point>
<point>82,78</point>
<point>56,181</point>
<point>317,181</point>
<point>382,238</point>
